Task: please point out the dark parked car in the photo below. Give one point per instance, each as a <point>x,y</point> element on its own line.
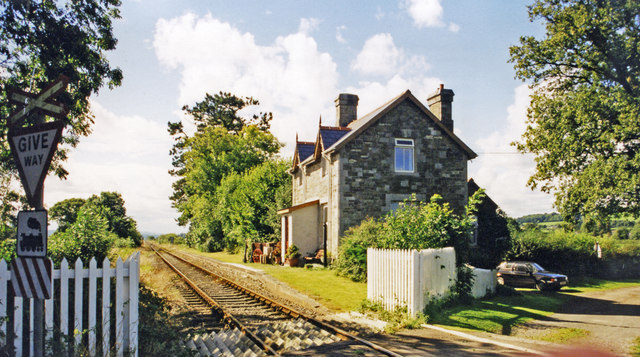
<point>529,275</point>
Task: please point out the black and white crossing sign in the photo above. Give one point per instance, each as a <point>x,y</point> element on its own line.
<point>43,102</point>
<point>33,148</point>
<point>32,234</point>
<point>31,277</point>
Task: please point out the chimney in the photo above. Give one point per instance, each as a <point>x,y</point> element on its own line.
<point>440,105</point>
<point>346,109</point>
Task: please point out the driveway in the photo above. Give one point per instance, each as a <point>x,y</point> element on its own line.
<point>612,318</point>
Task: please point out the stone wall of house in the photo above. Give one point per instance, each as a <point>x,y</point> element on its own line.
<point>314,184</point>
<point>369,183</point>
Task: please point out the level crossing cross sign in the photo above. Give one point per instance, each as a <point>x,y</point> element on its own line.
<point>43,102</point>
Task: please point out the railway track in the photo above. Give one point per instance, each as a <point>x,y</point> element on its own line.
<point>257,325</point>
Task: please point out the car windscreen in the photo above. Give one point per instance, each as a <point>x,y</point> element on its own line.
<point>537,267</point>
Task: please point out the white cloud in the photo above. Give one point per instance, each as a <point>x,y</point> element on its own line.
<point>339,36</point>
<point>379,56</point>
<point>127,154</point>
<point>290,76</point>
<point>428,13</point>
<point>502,171</point>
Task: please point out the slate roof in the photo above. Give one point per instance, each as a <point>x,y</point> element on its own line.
<point>304,149</point>
<point>330,134</point>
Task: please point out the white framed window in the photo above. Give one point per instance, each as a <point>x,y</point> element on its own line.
<point>404,155</point>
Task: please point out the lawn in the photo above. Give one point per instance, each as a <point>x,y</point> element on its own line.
<point>334,292</point>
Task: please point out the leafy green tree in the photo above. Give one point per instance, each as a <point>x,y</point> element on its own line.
<point>87,237</point>
<point>109,205</point>
<point>40,40</point>
<point>65,212</point>
<point>224,143</point>
<point>247,204</point>
<point>9,205</point>
<point>584,116</point>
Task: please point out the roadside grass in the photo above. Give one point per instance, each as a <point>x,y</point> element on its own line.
<point>563,335</point>
<point>635,349</point>
<point>334,292</point>
<point>585,284</point>
<point>499,314</point>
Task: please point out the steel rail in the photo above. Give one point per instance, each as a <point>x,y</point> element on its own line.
<point>226,315</point>
<point>289,311</point>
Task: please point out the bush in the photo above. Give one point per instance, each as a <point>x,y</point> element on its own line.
<point>87,237</point>
<point>209,246</point>
<point>124,243</point>
<point>352,253</point>
<point>635,232</point>
<point>170,238</point>
<point>8,249</point>
<point>621,233</point>
<point>414,225</point>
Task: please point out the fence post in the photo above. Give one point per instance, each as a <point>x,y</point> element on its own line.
<point>134,274</point>
<point>119,337</point>
<point>77,300</point>
<point>4,277</point>
<point>106,305</point>
<point>17,325</point>
<point>93,279</point>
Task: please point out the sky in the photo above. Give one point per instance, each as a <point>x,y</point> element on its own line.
<point>295,57</point>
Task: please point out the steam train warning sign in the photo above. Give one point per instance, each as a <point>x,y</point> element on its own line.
<point>32,234</point>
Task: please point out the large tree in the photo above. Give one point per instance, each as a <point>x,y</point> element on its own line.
<point>42,39</point>
<point>224,143</point>
<point>584,116</point>
<point>108,205</point>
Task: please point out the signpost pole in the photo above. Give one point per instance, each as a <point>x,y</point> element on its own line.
<point>38,304</point>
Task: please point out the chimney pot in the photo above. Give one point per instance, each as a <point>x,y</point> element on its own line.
<point>440,105</point>
<point>346,109</point>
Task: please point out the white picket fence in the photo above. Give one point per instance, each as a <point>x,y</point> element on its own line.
<point>398,277</point>
<point>125,277</point>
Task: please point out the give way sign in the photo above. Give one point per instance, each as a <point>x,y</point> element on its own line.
<point>33,148</point>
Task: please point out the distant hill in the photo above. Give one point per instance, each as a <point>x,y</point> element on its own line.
<point>540,218</point>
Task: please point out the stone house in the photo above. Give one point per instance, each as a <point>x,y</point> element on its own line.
<point>365,167</point>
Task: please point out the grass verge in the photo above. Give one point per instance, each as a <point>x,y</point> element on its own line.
<point>563,335</point>
<point>499,314</point>
<point>635,349</point>
<point>581,285</point>
<point>334,292</point>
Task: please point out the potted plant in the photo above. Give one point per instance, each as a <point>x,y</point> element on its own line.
<point>277,256</point>
<point>293,255</point>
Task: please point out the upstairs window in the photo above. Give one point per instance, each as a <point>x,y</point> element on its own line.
<point>404,155</point>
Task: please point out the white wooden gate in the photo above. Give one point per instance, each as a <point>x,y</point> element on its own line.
<point>125,278</point>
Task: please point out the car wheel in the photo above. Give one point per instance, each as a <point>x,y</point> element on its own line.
<point>500,280</point>
<point>540,286</point>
